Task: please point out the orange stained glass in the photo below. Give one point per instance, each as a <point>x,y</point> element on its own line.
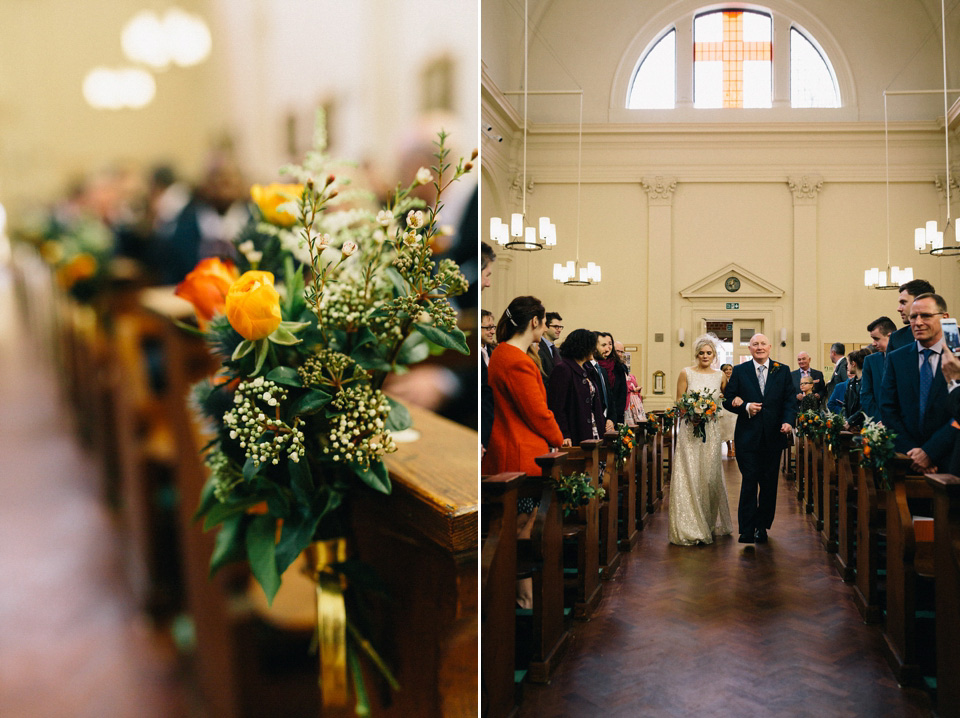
<point>732,51</point>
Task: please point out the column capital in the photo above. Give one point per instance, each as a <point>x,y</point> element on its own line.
<point>805,187</point>
<point>941,185</point>
<point>659,188</point>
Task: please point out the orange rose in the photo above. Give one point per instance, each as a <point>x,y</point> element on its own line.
<point>80,266</point>
<point>253,305</point>
<point>866,450</point>
<point>206,287</point>
<point>272,196</point>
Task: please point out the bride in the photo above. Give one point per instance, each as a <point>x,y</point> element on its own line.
<point>699,509</point>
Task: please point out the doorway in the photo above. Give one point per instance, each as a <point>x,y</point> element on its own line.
<point>734,336</point>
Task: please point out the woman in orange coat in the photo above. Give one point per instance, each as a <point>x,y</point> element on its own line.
<point>523,426</point>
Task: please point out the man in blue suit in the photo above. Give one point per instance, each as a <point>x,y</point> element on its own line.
<point>871,383</point>
<point>914,288</point>
<point>761,393</point>
<point>914,399</point>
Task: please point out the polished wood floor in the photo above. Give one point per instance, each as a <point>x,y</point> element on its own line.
<point>72,642</point>
<point>722,630</point>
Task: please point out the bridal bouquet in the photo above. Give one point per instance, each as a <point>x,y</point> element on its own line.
<point>328,296</point>
<point>698,408</point>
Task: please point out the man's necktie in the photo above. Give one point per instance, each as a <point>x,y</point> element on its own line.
<point>553,353</point>
<point>926,379</point>
<point>761,376</point>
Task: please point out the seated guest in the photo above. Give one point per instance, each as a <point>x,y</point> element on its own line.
<point>547,347</point>
<point>851,397</point>
<point>913,403</point>
<point>871,383</point>
<point>914,288</point>
<point>571,396</point>
<point>615,374</point>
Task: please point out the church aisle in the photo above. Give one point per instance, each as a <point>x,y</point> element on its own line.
<point>72,642</point>
<point>722,630</point>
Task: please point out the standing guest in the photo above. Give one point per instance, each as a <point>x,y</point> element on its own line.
<point>571,396</point>
<point>728,420</point>
<point>838,355</point>
<point>835,402</point>
<point>913,403</point>
<point>852,410</point>
<point>872,380</point>
<point>598,377</point>
<point>904,336</point>
<point>634,390</point>
<point>950,365</point>
<point>809,401</point>
<point>547,347</point>
<point>488,341</point>
<point>523,425</point>
<point>487,258</point>
<point>819,387</point>
<point>616,375</point>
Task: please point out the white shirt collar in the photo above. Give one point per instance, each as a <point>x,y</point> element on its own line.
<point>756,363</point>
<point>938,347</point>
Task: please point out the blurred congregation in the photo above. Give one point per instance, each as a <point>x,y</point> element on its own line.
<point>110,196</point>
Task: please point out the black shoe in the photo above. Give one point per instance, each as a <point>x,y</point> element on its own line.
<point>747,538</point>
<point>761,535</point>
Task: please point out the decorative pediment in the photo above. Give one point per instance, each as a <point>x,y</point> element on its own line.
<point>732,282</point>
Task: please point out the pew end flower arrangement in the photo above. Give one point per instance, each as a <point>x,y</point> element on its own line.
<point>833,424</point>
<point>698,408</point>
<point>328,297</point>
<point>576,490</point>
<point>623,444</point>
<point>811,424</point>
<point>875,444</point>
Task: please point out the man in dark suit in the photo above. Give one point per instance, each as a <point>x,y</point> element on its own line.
<point>838,355</point>
<point>950,365</point>
<point>819,387</point>
<point>597,375</point>
<point>488,329</point>
<point>871,381</point>
<point>914,399</point>
<point>547,348</point>
<point>908,291</point>
<point>761,393</point>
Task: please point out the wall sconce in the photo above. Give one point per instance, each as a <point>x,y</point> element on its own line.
<point>680,335</point>
<point>783,336</point>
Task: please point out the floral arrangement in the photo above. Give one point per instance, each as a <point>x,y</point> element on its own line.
<point>875,444</point>
<point>79,254</point>
<point>623,444</point>
<point>698,408</point>
<point>576,490</point>
<point>833,424</point>
<point>328,296</point>
<point>810,423</point>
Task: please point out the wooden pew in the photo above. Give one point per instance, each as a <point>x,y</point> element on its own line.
<point>810,473</point>
<point>498,567</point>
<point>830,489</point>
<point>946,528</point>
<point>545,549</point>
<point>583,528</point>
<point>788,464</point>
<point>650,472</point>
<point>910,571</point>
<point>847,477</point>
<point>609,511</point>
<point>819,457</point>
<point>641,470</point>
<point>627,530</point>
<point>871,521</point>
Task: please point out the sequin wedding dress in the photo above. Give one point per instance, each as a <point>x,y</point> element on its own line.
<point>699,509</point>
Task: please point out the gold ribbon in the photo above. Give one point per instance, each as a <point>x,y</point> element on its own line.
<point>331,619</point>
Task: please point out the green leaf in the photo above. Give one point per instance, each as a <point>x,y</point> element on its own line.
<point>301,480</point>
<point>397,280</point>
<point>250,469</point>
<point>413,350</point>
<point>399,417</point>
<point>292,326</point>
<point>370,359</point>
<point>229,544</point>
<point>375,476</point>
<point>207,499</point>
<point>283,336</point>
<point>362,337</point>
<point>311,402</point>
<point>263,348</point>
<point>243,348</point>
<point>297,532</point>
<point>222,511</point>
<point>285,375</point>
<point>261,553</point>
<point>293,279</point>
<point>447,338</point>
<point>189,328</point>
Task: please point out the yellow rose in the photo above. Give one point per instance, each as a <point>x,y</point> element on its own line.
<point>253,305</point>
<point>270,197</point>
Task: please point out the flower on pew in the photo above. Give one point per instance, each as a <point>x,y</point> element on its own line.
<point>833,424</point>
<point>810,423</point>
<point>875,444</point>
<point>206,287</point>
<point>576,490</point>
<point>698,408</point>
<point>335,304</point>
<point>623,444</point>
<point>79,254</point>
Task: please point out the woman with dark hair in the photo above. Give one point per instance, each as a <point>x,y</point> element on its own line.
<point>523,425</point>
<point>571,396</point>
<point>851,398</point>
<point>616,376</point>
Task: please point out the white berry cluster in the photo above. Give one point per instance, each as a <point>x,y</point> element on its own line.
<point>330,368</point>
<point>358,432</point>
<point>255,422</point>
<point>225,474</point>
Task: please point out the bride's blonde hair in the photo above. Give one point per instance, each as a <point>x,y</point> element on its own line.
<point>712,341</point>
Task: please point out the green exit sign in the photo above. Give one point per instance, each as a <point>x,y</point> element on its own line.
<point>733,305</point>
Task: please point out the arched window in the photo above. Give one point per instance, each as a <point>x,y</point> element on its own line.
<point>733,62</point>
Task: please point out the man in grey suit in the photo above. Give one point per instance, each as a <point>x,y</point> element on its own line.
<point>547,348</point>
<point>838,355</point>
